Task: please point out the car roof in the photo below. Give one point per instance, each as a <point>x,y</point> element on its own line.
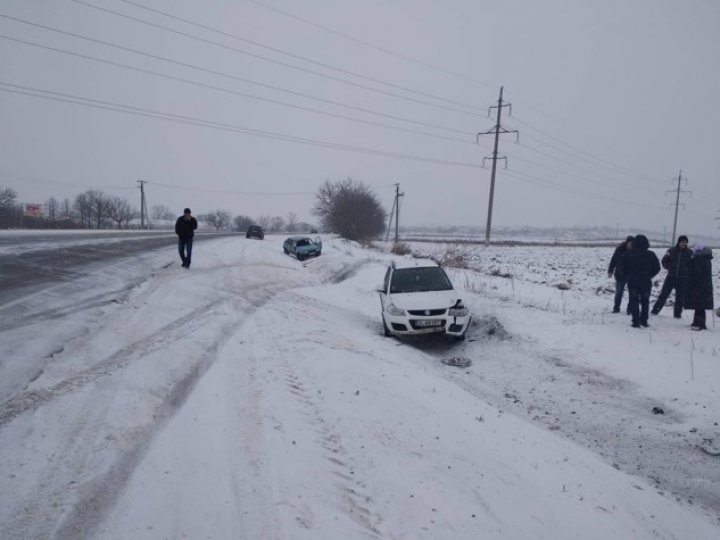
<point>298,238</point>
<point>407,262</point>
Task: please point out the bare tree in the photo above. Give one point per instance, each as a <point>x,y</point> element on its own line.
<point>66,214</point>
<point>242,222</point>
<point>8,207</point>
<point>120,211</point>
<point>350,208</point>
<point>292,221</point>
<point>277,224</point>
<point>220,219</point>
<point>99,206</point>
<point>92,206</point>
<point>161,212</point>
<point>8,198</point>
<point>83,209</point>
<point>264,221</point>
<point>52,211</point>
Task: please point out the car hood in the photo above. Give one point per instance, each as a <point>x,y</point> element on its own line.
<point>425,300</point>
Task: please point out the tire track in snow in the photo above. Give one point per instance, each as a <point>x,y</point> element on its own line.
<point>357,503</point>
<point>53,511</point>
<point>32,399</point>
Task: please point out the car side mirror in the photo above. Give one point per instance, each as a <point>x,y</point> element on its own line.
<point>380,289</point>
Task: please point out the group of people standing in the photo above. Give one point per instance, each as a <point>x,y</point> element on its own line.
<point>689,274</point>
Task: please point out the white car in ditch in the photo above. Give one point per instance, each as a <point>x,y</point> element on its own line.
<point>417,297</point>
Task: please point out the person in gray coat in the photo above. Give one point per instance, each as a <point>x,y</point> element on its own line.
<point>676,262</point>
<point>699,290</point>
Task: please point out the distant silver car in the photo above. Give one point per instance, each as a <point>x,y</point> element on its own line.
<point>302,247</point>
<point>417,297</point>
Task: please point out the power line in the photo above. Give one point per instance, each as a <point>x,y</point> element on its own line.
<point>204,70</point>
<point>138,111</point>
<point>619,182</point>
<point>614,167</point>
<point>56,183</point>
<point>277,62</point>
<point>560,187</point>
<point>372,46</point>
<point>599,161</point>
<point>235,192</point>
<point>289,54</point>
<point>552,169</point>
<point>234,92</point>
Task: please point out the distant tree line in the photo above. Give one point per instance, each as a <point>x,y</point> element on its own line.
<point>347,207</point>
<point>94,209</point>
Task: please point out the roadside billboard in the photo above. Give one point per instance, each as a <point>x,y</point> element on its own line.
<point>33,210</point>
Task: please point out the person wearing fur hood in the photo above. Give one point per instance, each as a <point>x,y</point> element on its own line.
<point>699,291</point>
<point>640,265</point>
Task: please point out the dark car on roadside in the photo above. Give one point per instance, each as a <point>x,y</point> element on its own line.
<point>255,231</point>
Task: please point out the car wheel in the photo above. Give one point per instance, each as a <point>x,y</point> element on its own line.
<point>385,328</point>
<point>460,338</point>
<point>300,257</point>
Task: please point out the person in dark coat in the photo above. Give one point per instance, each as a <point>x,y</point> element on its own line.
<point>640,265</point>
<point>675,261</point>
<point>185,229</point>
<point>699,290</point>
<point>617,269</point>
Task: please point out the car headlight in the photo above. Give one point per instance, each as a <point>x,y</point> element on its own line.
<point>458,310</point>
<point>392,309</point>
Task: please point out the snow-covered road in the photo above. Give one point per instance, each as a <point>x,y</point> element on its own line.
<point>254,396</point>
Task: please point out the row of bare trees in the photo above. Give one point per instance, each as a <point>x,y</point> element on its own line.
<point>92,209</point>
<point>348,207</point>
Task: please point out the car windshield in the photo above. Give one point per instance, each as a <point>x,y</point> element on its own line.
<point>431,278</point>
<point>303,242</point>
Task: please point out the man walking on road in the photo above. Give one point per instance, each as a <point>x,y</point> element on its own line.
<point>676,260</point>
<point>185,229</point>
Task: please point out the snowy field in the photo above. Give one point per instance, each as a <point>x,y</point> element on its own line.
<point>255,397</point>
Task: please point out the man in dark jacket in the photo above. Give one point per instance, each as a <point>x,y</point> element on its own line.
<point>185,229</point>
<point>699,290</point>
<point>676,261</point>
<point>616,268</point>
<point>640,266</point>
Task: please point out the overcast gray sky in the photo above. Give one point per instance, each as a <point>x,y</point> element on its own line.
<point>612,99</point>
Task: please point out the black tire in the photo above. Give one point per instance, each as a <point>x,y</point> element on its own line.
<point>300,257</point>
<point>460,338</point>
<point>385,328</point>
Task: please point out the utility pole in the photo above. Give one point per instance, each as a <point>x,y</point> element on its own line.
<point>496,130</point>
<point>676,204</point>
<point>395,211</point>
<point>143,205</point>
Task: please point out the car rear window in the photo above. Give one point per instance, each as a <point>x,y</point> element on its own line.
<point>431,278</point>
